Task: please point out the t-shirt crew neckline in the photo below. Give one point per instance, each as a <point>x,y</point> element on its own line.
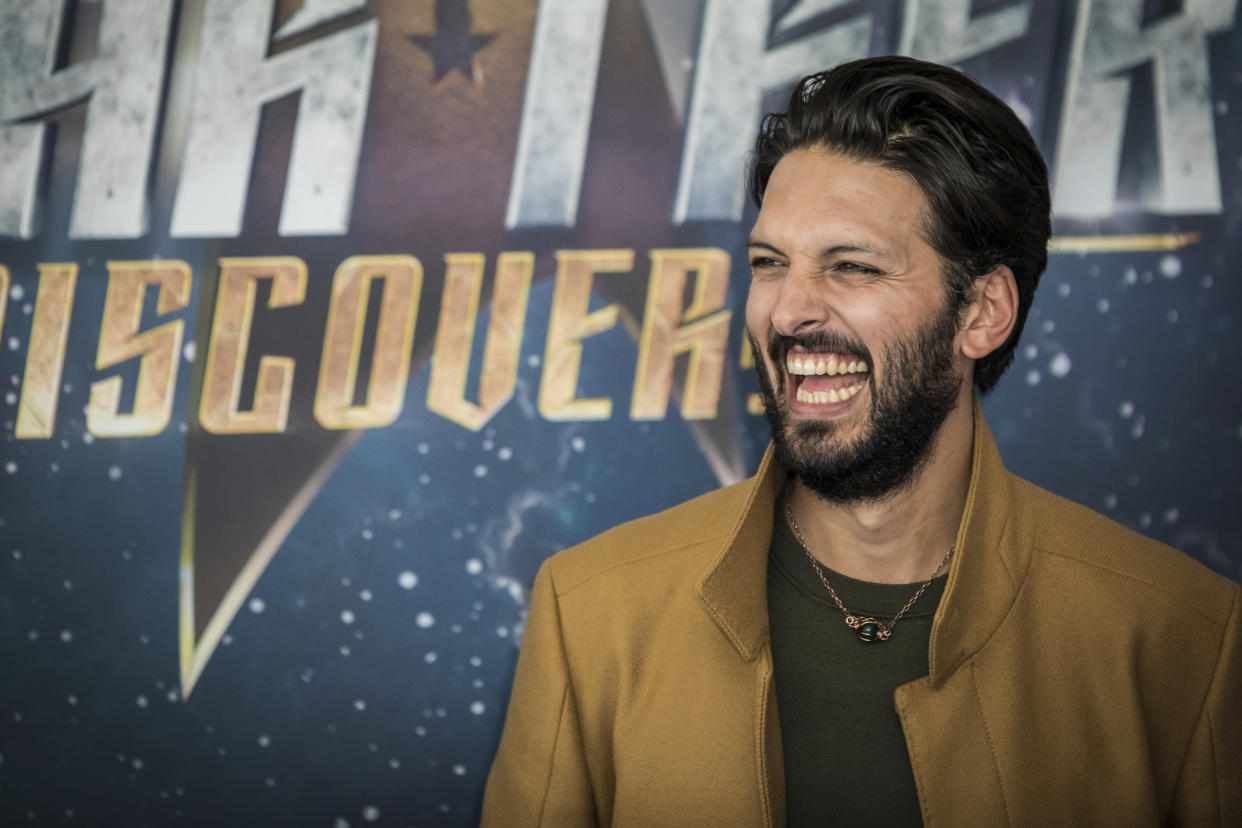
<point>881,601</point>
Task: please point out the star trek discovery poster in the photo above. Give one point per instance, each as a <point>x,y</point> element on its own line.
<point>324,323</point>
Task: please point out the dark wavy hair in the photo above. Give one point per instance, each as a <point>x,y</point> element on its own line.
<point>976,164</point>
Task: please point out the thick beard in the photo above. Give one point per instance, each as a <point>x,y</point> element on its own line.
<point>920,388</point>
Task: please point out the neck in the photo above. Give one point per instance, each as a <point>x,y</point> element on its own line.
<point>903,537</point>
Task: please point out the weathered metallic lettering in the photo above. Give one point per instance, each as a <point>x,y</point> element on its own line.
<point>1108,41</point>
<point>733,70</point>
<point>235,79</point>
<point>219,408</point>
<point>668,330</point>
<point>945,31</point>
<point>459,312</point>
<point>569,325</point>
<point>121,89</point>
<point>45,356</point>
<point>158,349</point>
<point>342,342</point>
<point>556,113</point>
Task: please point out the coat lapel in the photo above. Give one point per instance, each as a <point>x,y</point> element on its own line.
<point>734,589</point>
<point>987,569</point>
<point>984,579</point>
<point>734,593</point>
<point>950,746</point>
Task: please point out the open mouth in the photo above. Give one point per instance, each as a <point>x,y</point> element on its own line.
<point>823,379</point>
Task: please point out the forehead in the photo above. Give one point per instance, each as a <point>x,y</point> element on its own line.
<point>818,197</point>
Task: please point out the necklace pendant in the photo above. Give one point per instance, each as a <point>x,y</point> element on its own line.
<point>869,629</point>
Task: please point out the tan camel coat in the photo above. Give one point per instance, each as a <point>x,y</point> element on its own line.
<point>1079,674</point>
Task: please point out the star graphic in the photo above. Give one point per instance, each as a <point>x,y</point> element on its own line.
<point>452,46</point>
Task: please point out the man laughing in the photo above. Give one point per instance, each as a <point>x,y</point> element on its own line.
<point>883,626</point>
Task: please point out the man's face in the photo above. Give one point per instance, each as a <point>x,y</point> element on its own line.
<point>855,340</point>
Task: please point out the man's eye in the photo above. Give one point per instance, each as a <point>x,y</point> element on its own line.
<point>855,267</point>
<point>759,262</point>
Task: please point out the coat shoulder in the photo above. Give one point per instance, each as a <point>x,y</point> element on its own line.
<point>1086,540</point>
<point>689,530</point>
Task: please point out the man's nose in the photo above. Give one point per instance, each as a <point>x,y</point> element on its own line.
<point>801,305</point>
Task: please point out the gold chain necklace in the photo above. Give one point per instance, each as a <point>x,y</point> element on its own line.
<point>868,629</point>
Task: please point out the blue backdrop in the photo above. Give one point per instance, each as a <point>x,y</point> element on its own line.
<point>222,621</point>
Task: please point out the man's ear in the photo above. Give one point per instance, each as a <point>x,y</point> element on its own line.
<point>991,315</point>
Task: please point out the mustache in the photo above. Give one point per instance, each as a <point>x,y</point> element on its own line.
<point>780,345</point>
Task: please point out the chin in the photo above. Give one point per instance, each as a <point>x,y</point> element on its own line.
<point>873,446</point>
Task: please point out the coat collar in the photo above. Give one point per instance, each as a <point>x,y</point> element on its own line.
<point>735,588</point>
<point>984,577</point>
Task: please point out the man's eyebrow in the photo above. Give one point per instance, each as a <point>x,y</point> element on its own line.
<point>753,242</point>
<point>828,252</point>
<point>837,250</point>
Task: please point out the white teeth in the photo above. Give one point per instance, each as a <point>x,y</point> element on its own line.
<point>812,366</point>
<point>830,396</point>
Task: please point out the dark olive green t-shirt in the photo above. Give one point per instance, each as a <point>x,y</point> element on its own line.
<point>845,755</point>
